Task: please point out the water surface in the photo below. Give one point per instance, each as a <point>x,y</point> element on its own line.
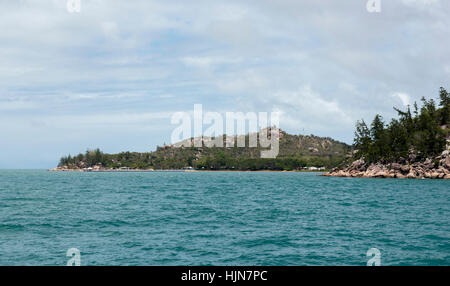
<point>226,218</point>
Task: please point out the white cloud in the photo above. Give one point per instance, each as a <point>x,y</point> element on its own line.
<point>404,98</point>
<point>420,2</point>
<point>199,62</point>
<point>110,29</point>
<point>234,55</point>
<point>308,104</point>
<point>248,81</point>
<point>348,87</point>
<point>207,62</point>
<point>98,96</point>
<point>17,105</point>
<point>109,119</point>
<point>166,96</point>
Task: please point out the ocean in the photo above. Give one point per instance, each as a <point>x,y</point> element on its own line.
<point>220,218</point>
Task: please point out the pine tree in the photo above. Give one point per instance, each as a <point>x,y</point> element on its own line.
<point>445,106</point>
<point>362,139</point>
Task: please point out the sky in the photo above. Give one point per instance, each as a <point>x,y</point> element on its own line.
<point>112,75</point>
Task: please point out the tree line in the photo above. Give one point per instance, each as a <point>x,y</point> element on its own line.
<point>420,132</point>
<point>216,159</point>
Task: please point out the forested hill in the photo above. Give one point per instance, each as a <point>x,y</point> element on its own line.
<point>419,133</point>
<point>414,145</point>
<point>295,153</point>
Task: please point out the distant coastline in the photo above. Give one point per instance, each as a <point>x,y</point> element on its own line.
<point>416,145</point>
<point>180,170</point>
<point>296,153</point>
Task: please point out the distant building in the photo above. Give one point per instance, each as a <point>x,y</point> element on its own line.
<point>315,168</point>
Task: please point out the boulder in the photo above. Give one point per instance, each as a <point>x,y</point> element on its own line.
<point>446,163</point>
<point>373,170</point>
<point>396,166</point>
<point>428,164</point>
<point>341,174</point>
<point>434,175</point>
<point>411,169</point>
<point>419,173</point>
<point>405,168</point>
<point>359,165</point>
<point>411,175</point>
<point>400,175</point>
<point>381,174</point>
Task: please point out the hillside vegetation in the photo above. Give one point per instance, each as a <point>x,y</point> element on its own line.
<point>415,146</point>
<point>296,152</point>
<point>421,133</point>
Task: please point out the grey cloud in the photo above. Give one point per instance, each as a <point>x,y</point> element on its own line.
<point>312,60</point>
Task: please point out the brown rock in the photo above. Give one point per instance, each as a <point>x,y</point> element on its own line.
<point>374,169</point>
<point>445,153</point>
<point>411,175</point>
<point>358,165</point>
<point>400,175</point>
<point>396,166</point>
<point>381,174</point>
<point>419,173</point>
<point>405,168</point>
<point>341,174</point>
<point>428,164</point>
<point>446,163</point>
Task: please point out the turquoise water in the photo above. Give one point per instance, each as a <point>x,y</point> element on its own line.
<point>225,218</point>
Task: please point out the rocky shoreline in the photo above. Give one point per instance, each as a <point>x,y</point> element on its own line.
<point>437,168</point>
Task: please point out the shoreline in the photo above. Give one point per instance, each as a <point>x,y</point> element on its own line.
<point>435,168</point>
<point>401,177</point>
<point>339,174</point>
<point>181,170</point>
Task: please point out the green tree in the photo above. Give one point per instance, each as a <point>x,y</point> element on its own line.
<point>362,139</point>
<point>445,106</point>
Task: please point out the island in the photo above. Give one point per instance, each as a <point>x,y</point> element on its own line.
<point>296,153</point>
<point>414,145</point>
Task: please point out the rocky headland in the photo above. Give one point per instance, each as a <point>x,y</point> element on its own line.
<point>411,168</point>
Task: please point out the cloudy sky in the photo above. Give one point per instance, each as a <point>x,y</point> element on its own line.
<point>112,75</point>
